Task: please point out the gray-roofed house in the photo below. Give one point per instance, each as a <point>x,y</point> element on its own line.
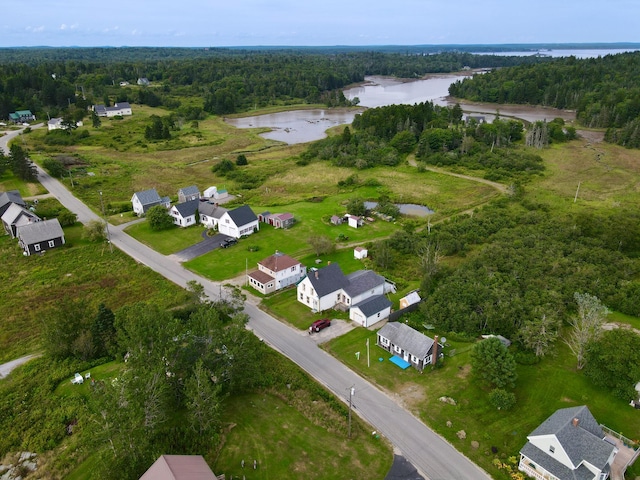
<point>238,222</point>
<point>329,287</point>
<point>370,311</point>
<point>40,236</point>
<point>144,200</point>
<point>184,214</point>
<point>407,343</point>
<point>121,108</point>
<point>7,198</point>
<point>188,193</point>
<point>179,467</point>
<point>210,214</point>
<point>16,216</point>
<point>568,445</point>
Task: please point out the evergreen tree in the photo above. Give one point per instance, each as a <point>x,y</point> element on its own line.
<point>493,363</point>
<point>21,166</point>
<point>103,331</point>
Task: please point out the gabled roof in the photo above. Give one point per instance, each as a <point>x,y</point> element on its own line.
<point>278,261</point>
<point>261,277</point>
<point>147,197</point>
<point>373,305</point>
<point>7,198</point>
<point>242,215</point>
<point>179,467</point>
<point>583,441</point>
<point>284,216</point>
<point>186,209</point>
<point>40,231</point>
<point>361,281</point>
<point>407,338</point>
<point>121,105</point>
<point>14,212</point>
<point>211,210</point>
<point>190,190</point>
<point>327,279</point>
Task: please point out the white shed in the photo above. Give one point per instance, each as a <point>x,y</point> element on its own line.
<point>359,253</point>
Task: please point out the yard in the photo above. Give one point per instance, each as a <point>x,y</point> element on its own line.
<point>541,389</point>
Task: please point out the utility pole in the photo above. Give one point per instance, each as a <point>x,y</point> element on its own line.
<point>368,364</point>
<point>106,223</point>
<point>352,392</point>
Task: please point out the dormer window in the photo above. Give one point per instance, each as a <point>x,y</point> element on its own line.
<point>552,449</point>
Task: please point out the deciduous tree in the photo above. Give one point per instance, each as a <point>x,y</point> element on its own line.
<point>586,325</point>
<point>159,218</point>
<point>539,335</point>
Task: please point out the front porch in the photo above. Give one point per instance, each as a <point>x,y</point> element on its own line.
<point>628,452</point>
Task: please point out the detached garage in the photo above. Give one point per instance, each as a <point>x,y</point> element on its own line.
<point>370,311</point>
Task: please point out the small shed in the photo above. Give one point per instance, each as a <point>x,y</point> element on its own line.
<point>220,194</point>
<point>282,220</point>
<point>210,192</point>
<point>410,299</point>
<point>354,221</point>
<point>336,220</point>
<point>359,253</point>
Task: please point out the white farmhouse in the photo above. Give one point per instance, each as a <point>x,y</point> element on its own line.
<point>238,222</point>
<point>276,272</point>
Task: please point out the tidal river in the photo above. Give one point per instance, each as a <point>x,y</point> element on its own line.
<point>301,126</point>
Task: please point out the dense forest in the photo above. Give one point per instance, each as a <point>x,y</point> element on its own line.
<point>48,81</point>
<point>604,91</point>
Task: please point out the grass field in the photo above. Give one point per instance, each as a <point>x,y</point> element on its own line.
<point>167,241</point>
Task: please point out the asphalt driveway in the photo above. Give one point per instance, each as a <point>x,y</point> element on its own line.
<point>205,246</point>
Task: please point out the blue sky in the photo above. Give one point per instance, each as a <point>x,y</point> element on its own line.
<point>195,23</point>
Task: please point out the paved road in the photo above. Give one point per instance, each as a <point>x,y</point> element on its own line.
<point>433,456</point>
<point>205,246</point>
<point>6,368</point>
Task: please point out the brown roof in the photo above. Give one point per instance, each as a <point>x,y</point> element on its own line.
<point>261,277</point>
<point>179,467</point>
<point>278,262</point>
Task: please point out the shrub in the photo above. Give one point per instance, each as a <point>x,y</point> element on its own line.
<point>501,399</point>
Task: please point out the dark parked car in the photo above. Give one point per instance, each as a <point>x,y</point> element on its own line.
<point>227,242</point>
<point>319,325</point>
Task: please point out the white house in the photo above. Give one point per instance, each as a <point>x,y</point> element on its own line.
<point>210,214</point>
<point>144,200</point>
<point>407,343</point>
<point>276,272</point>
<point>359,253</point>
<point>16,216</point>
<point>56,124</point>
<point>184,214</point>
<point>122,109</point>
<point>370,311</point>
<point>329,287</point>
<point>238,222</point>
<point>569,444</point>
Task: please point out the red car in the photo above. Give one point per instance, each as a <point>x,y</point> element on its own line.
<point>319,325</point>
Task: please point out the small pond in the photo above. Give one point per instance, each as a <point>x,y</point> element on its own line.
<point>405,209</point>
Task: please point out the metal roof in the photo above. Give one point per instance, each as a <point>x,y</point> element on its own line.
<point>40,231</point>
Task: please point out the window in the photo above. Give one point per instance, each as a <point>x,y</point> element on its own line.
<point>52,243</point>
<point>36,247</point>
<point>301,296</point>
<point>552,449</point>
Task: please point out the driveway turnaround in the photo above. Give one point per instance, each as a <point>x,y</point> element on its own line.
<point>433,456</point>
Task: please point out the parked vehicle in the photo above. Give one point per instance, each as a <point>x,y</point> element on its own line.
<point>319,325</point>
<point>227,242</point>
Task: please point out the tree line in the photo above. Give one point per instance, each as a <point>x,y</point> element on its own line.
<point>603,91</point>
<point>47,81</point>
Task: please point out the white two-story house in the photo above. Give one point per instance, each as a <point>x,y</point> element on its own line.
<point>570,444</point>
<point>276,272</point>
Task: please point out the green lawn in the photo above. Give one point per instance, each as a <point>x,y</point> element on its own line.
<point>167,241</point>
<point>287,444</point>
<point>541,389</point>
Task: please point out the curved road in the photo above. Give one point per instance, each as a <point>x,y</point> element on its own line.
<point>434,458</point>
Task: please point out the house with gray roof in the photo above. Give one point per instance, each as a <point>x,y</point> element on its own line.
<point>238,222</point>
<point>184,214</point>
<point>329,287</point>
<point>188,193</point>
<point>7,198</point>
<point>16,216</point>
<point>210,213</point>
<point>371,311</point>
<point>122,109</point>
<point>40,236</point>
<point>569,445</point>
<point>144,200</point>
<point>409,344</point>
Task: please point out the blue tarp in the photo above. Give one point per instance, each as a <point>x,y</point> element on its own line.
<point>400,362</point>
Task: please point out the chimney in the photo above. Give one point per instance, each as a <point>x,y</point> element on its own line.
<point>434,351</point>
<point>575,421</point>
<point>316,274</point>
